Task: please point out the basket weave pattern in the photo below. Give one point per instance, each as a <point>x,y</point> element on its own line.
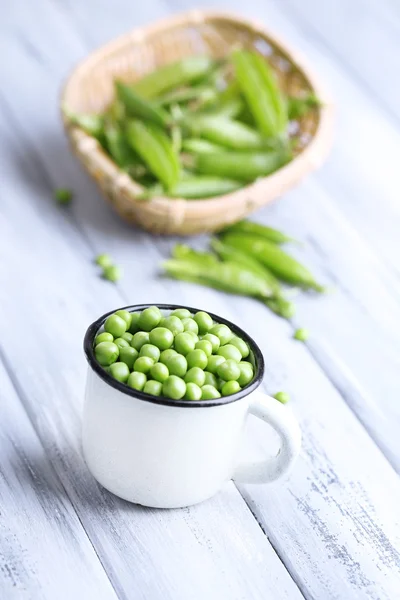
<point>90,89</point>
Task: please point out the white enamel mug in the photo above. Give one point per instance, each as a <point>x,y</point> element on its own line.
<point>164,453</point>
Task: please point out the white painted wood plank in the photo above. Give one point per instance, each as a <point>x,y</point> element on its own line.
<point>216,550</point>
<point>44,550</point>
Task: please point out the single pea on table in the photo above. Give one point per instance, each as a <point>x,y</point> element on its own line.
<point>177,356</point>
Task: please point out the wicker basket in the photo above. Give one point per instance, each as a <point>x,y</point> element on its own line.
<point>90,89</point>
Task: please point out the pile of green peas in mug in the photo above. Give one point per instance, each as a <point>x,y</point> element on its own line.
<point>176,355</point>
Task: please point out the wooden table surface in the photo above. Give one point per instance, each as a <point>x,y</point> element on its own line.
<point>329,532</point>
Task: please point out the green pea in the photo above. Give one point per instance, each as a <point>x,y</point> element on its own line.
<point>210,379</point>
<point>120,371</point>
<point>103,337</point>
<point>152,387</point>
<point>63,195</point>
<point>184,343</point>
<point>230,352</point>
<point>209,392</point>
<point>220,383</point>
<point>115,325</point>
<point>135,322</point>
<point>204,345</point>
<point>149,318</point>
<point>222,332</point>
<point>128,356</point>
<point>214,341</point>
<point>103,260</point>
<point>230,387</point>
<point>240,345</point>
<point>228,370</point>
<point>181,313</point>
<point>213,362</point>
<point>126,316</point>
<point>162,337</point>
<point>151,351</point>
<point>301,334</point>
<point>139,339</point>
<point>194,336</point>
<point>197,358</point>
<point>159,371</point>
<point>190,324</point>
<point>174,387</point>
<point>137,380</point>
<point>106,353</point>
<point>204,321</point>
<point>246,373</point>
<point>165,354</point>
<point>113,273</point>
<point>143,364</point>
<point>177,365</point>
<point>282,397</point>
<point>121,343</point>
<point>128,337</point>
<point>193,392</point>
<point>173,324</point>
<point>195,375</point>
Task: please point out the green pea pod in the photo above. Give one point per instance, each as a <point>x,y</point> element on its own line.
<point>200,146</point>
<point>173,75</point>
<point>282,307</point>
<point>229,253</point>
<point>226,276</point>
<point>176,132</point>
<point>118,147</point>
<point>184,95</point>
<point>260,89</point>
<point>242,166</point>
<point>226,132</point>
<point>278,304</point>
<point>91,123</point>
<point>184,252</point>
<point>229,109</point>
<point>298,107</point>
<point>155,148</point>
<point>195,187</point>
<point>281,264</point>
<point>227,103</point>
<point>268,233</point>
<point>137,107</point>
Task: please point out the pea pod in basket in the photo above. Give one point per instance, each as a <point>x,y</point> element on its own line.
<point>226,132</point>
<point>261,91</point>
<point>118,147</point>
<point>173,75</point>
<point>282,265</point>
<point>156,150</point>
<point>137,107</point>
<point>244,166</point>
<point>195,187</point>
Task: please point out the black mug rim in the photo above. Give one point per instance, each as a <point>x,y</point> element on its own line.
<point>122,387</point>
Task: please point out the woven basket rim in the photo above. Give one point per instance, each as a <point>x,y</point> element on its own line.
<point>308,158</point>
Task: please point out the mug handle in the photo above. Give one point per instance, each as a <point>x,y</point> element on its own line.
<point>284,423</point>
